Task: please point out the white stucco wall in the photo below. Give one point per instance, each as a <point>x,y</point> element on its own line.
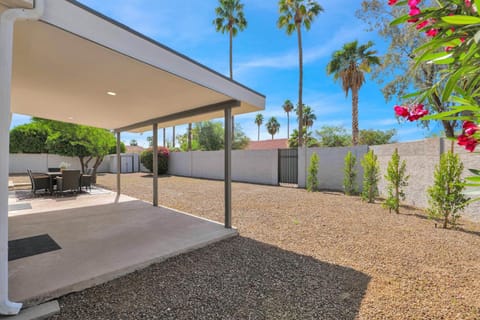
<point>20,162</point>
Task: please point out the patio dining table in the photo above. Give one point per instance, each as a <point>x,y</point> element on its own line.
<point>52,176</point>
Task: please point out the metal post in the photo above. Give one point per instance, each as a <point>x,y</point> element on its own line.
<point>119,163</point>
<point>228,167</point>
<point>155,164</point>
<point>164,138</point>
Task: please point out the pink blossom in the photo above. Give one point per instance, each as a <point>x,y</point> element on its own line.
<point>468,3</point>
<point>432,32</point>
<point>413,3</point>
<point>411,114</point>
<point>422,24</point>
<point>412,20</point>
<point>401,111</point>
<point>469,128</point>
<point>414,11</point>
<point>392,2</point>
<point>468,142</point>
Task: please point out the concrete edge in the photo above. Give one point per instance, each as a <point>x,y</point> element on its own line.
<point>30,302</point>
<point>38,312</point>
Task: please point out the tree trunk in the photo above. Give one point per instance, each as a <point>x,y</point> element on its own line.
<point>258,139</point>
<point>272,136</point>
<point>189,144</point>
<point>288,125</point>
<point>97,163</point>
<point>173,138</point>
<point>300,84</point>
<point>82,164</point>
<point>354,116</point>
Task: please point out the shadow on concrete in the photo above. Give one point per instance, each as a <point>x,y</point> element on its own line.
<point>239,278</point>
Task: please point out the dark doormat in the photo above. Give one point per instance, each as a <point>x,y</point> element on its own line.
<point>26,247</point>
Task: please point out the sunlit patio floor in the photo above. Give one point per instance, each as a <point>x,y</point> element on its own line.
<point>101,236</point>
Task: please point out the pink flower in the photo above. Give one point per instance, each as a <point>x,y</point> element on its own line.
<point>401,111</point>
<point>468,3</point>
<point>432,32</point>
<point>414,11</point>
<point>422,24</point>
<point>413,3</point>
<point>392,2</point>
<point>449,48</point>
<point>469,128</point>
<point>469,142</point>
<point>412,20</point>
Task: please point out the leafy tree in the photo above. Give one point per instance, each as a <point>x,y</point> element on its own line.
<point>372,137</point>
<point>333,136</point>
<point>308,116</point>
<point>350,174</point>
<point>29,138</point>
<point>399,64</point>
<point>312,179</point>
<point>273,126</point>
<point>371,175</point>
<point>240,141</point>
<point>146,158</point>
<point>446,196</point>
<point>293,15</point>
<point>133,143</point>
<point>113,149</point>
<point>397,179</point>
<point>258,122</point>
<point>150,139</point>
<point>230,18</point>
<point>288,107</point>
<point>209,135</point>
<point>349,64</point>
<point>309,141</point>
<point>189,137</point>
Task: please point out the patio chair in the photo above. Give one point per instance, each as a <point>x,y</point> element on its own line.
<point>38,181</point>
<point>86,181</point>
<point>69,181</point>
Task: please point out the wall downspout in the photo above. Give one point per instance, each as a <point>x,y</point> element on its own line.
<point>7,21</point>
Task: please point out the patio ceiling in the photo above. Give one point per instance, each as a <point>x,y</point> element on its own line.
<point>65,65</point>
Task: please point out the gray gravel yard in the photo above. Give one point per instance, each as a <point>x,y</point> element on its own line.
<point>300,255</point>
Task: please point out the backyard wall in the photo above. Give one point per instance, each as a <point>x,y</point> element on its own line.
<point>20,162</point>
<point>255,166</point>
<point>330,166</point>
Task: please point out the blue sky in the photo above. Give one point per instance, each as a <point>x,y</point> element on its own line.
<point>265,59</point>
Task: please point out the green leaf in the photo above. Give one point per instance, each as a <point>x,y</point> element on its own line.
<point>475,171</point>
<point>476,37</point>
<point>399,20</point>
<point>461,20</point>
<point>473,179</point>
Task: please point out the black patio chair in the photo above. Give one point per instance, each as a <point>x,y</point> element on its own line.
<point>38,181</point>
<point>69,181</point>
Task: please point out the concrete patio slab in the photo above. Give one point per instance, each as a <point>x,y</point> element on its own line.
<point>102,237</point>
<point>42,311</point>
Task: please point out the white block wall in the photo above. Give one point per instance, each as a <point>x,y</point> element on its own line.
<point>20,162</point>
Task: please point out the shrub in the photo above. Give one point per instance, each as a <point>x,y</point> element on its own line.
<point>146,158</point>
<point>446,198</point>
<point>312,180</point>
<point>350,174</point>
<point>370,176</point>
<point>397,179</point>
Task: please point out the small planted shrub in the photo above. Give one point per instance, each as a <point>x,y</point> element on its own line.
<point>446,197</point>
<point>146,158</point>
<point>397,180</point>
<point>312,180</point>
<point>370,176</point>
<point>350,174</point>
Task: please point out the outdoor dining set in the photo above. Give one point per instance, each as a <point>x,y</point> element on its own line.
<point>58,181</point>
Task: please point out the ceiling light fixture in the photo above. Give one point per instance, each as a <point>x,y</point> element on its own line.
<point>111,93</point>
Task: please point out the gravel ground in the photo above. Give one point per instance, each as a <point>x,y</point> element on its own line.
<point>300,255</point>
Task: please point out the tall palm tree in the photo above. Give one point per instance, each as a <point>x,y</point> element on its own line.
<point>308,116</point>
<point>258,122</point>
<point>294,14</point>
<point>288,107</point>
<point>230,18</point>
<point>272,126</point>
<point>349,64</point>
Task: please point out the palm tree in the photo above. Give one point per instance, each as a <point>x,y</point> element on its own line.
<point>272,126</point>
<point>230,18</point>
<point>258,122</point>
<point>308,116</point>
<point>349,64</point>
<point>294,14</point>
<point>288,107</point>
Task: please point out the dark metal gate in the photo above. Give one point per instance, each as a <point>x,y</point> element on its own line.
<point>288,166</point>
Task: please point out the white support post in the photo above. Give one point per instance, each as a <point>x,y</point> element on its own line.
<point>228,167</point>
<point>119,164</point>
<point>155,164</point>
<point>7,21</point>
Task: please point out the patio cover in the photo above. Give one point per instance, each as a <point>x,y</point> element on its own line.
<point>73,64</point>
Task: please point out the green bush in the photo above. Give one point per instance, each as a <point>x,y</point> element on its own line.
<point>370,176</point>
<point>397,179</point>
<point>350,174</point>
<point>312,180</point>
<point>146,158</point>
<point>446,198</point>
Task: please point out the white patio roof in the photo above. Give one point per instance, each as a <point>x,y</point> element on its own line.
<point>65,63</point>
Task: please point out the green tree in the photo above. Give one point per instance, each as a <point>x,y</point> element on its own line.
<point>133,143</point>
<point>308,116</point>
<point>189,137</point>
<point>272,126</point>
<point>146,158</point>
<point>446,196</point>
<point>150,140</point>
<point>350,174</point>
<point>349,64</point>
<point>397,179</point>
<point>333,136</point>
<point>293,15</point>
<point>371,175</point>
<point>312,179</point>
<point>209,135</point>
<point>309,141</point>
<point>399,65</point>
<point>288,107</point>
<point>230,18</point>
<point>29,138</point>
<point>258,122</point>
<point>241,141</point>
<point>372,137</point>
